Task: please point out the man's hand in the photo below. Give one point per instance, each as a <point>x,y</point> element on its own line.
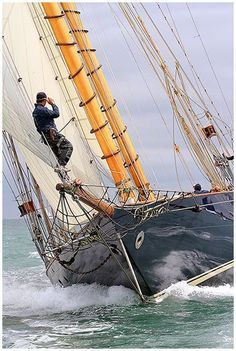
<point>50,101</point>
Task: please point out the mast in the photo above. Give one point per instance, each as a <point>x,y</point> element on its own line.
<point>109,106</point>
<point>99,124</point>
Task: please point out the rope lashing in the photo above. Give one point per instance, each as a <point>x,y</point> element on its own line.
<point>72,119</point>
<point>77,72</point>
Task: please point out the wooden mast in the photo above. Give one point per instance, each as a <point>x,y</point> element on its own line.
<point>89,101</point>
<point>109,107</point>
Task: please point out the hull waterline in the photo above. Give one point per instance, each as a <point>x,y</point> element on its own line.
<point>164,247</point>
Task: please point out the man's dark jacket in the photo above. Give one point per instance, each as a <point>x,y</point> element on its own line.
<point>44,118</point>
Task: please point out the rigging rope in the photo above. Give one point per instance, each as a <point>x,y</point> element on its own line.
<point>208,58</point>
<point>226,126</point>
<point>146,156</point>
<point>141,40</point>
<point>195,75</point>
<point>150,51</point>
<point>107,144</point>
<point>180,96</point>
<point>47,37</point>
<point>180,157</point>
<point>180,42</point>
<point>103,96</point>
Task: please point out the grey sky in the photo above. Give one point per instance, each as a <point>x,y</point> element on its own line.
<point>215,24</point>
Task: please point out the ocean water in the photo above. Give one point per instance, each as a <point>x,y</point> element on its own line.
<point>38,315</point>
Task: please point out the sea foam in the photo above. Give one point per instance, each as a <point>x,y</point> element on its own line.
<point>183,290</point>
<point>29,292</point>
<point>24,295</point>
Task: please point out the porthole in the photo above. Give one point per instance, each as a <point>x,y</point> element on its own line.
<point>139,240</point>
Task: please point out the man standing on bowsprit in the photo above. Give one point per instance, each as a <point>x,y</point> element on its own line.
<point>44,121</point>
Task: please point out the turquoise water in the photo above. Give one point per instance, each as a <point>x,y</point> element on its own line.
<point>37,315</point>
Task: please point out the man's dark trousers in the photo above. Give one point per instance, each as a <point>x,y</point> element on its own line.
<point>60,146</point>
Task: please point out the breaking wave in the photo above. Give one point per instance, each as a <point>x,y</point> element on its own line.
<point>29,292</point>
<point>184,291</point>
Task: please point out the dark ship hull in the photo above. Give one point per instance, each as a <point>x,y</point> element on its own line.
<point>165,242</point>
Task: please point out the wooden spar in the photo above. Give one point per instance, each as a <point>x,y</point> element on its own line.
<point>211,273</point>
<point>25,195</point>
<point>96,118</point>
<point>197,280</point>
<point>44,213</point>
<point>86,197</point>
<point>109,106</point>
<point>41,204</point>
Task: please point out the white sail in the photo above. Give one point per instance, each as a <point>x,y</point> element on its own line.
<point>30,62</point>
<point>17,119</point>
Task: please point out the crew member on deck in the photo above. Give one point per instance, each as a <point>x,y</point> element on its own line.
<point>198,189</point>
<point>205,200</point>
<point>44,122</point>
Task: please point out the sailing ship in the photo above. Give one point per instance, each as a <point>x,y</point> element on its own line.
<point>104,222</point>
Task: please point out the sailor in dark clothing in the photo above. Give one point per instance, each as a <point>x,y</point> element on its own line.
<point>44,121</point>
<point>198,189</point>
<point>205,200</point>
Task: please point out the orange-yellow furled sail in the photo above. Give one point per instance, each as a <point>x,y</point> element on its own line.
<point>89,101</point>
<point>109,107</point>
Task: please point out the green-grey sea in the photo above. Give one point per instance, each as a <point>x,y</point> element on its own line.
<point>38,315</point>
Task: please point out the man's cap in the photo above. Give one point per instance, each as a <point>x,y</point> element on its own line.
<point>197,187</point>
<point>41,96</point>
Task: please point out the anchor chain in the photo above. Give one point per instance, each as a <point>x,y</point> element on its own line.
<point>76,271</point>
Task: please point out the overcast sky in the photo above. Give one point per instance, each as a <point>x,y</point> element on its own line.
<point>215,24</point>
